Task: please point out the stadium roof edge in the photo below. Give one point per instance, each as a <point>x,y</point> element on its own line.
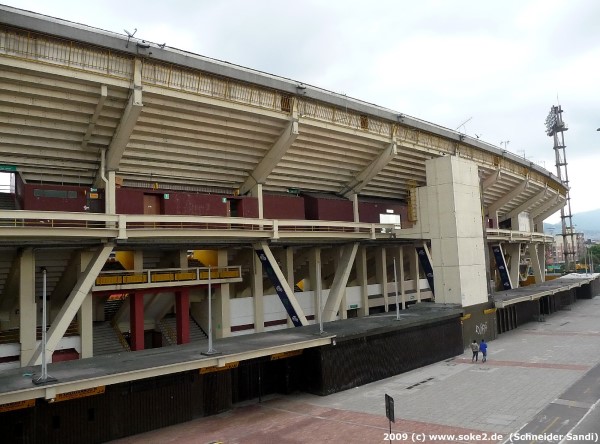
<point>65,29</point>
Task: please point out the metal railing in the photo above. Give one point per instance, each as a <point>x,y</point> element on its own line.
<point>19,223</point>
<point>172,275</point>
<point>516,236</point>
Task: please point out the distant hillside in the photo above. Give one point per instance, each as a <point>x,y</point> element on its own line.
<point>587,222</point>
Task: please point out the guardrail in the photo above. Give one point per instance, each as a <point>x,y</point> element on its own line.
<point>162,275</point>
<point>516,236</point>
<point>19,223</point>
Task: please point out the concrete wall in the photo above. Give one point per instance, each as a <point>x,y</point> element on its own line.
<point>283,207</point>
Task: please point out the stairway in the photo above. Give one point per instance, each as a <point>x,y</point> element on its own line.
<point>168,327</point>
<point>111,307</point>
<point>106,339</point>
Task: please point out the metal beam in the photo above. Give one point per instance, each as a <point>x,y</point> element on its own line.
<point>340,280</point>
<point>272,158</point>
<point>128,121</point>
<point>495,206</point>
<point>364,177</point>
<point>73,303</point>
<point>527,204</point>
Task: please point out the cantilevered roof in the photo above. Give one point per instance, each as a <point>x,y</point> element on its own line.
<point>74,97</point>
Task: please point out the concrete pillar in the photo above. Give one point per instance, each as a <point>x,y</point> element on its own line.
<point>414,271</point>
<point>514,251</point>
<point>381,273</point>
<point>257,192</point>
<point>221,307</point>
<point>401,277</point>
<point>343,308</point>
<point>110,194</point>
<point>182,308</point>
<point>314,264</point>
<point>257,294</point>
<point>288,271</point>
<point>85,312</point>
<point>456,230</point>
<point>27,306</point>
<point>138,260</point>
<point>355,207</point>
<point>363,280</point>
<point>136,320</point>
<point>537,261</point>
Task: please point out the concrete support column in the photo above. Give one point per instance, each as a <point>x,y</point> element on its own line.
<point>257,192</point>
<point>27,306</point>
<point>136,320</point>
<point>514,251</point>
<point>537,262</point>
<point>288,271</point>
<point>222,304</point>
<point>314,264</point>
<point>85,313</point>
<point>110,200</point>
<point>381,273</point>
<point>456,229</point>
<point>257,294</point>
<point>401,277</point>
<point>138,260</point>
<point>363,280</point>
<point>182,313</point>
<point>354,198</point>
<point>337,263</point>
<point>414,272</point>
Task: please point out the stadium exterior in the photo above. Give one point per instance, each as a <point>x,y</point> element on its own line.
<point>159,197</point>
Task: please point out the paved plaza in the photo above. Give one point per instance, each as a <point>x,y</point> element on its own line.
<point>543,377</point>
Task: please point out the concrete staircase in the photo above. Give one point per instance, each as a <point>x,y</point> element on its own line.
<point>106,339</point>
<point>168,328</point>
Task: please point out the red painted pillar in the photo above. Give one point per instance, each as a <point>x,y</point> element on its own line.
<point>136,320</point>
<point>182,308</point>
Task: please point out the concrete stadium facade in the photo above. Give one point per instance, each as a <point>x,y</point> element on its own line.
<point>148,182</point>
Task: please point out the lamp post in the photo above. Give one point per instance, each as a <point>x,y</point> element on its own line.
<point>44,378</point>
<point>211,350</point>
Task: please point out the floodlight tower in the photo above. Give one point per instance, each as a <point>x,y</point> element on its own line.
<point>555,127</point>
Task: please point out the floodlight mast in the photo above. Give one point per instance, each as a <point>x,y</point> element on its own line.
<point>555,127</point>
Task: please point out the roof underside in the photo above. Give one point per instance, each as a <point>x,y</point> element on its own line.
<point>198,131</point>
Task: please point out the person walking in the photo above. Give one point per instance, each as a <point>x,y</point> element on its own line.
<point>483,349</point>
<point>475,350</point>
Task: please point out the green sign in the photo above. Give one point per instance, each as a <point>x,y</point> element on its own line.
<point>224,200</point>
<point>8,168</point>
<point>166,196</point>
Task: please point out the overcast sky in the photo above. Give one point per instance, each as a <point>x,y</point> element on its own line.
<point>498,66</point>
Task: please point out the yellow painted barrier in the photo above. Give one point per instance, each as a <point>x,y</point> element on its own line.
<point>185,276</point>
<point>135,279</point>
<point>163,277</point>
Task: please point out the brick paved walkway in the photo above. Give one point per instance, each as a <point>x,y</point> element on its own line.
<point>527,370</point>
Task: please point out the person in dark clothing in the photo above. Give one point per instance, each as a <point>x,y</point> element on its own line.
<point>483,349</point>
<point>475,350</point>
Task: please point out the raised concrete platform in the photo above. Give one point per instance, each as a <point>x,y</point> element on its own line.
<point>532,292</point>
<point>16,384</point>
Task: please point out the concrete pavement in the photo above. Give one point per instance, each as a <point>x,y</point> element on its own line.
<point>543,378</point>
